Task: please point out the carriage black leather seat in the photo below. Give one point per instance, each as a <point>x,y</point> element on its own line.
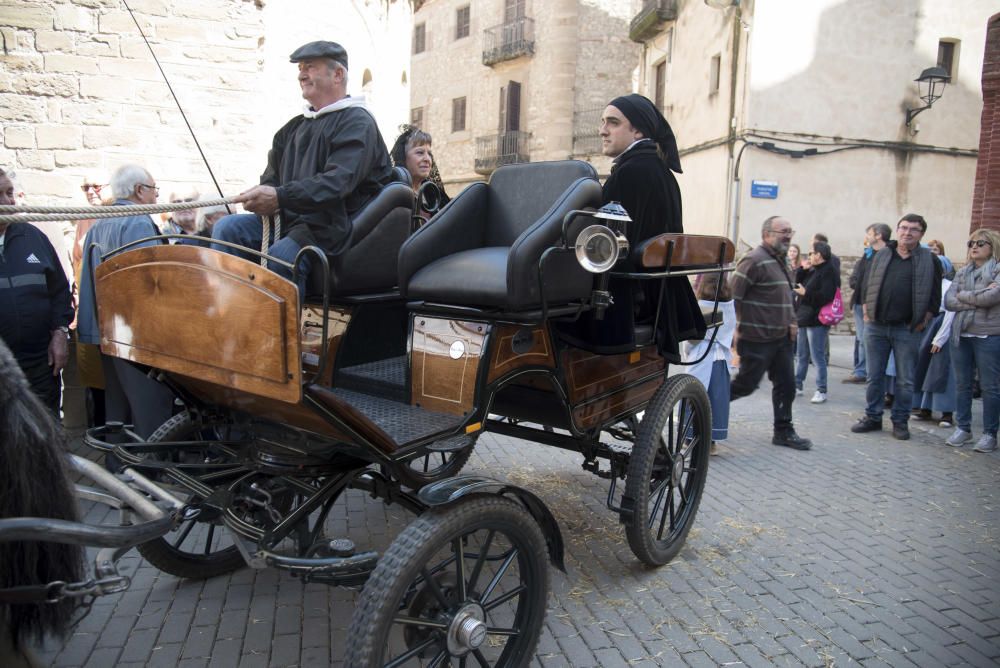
<point>484,247</point>
<point>378,230</point>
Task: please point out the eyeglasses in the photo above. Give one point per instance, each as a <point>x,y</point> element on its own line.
<point>783,233</point>
<point>91,186</point>
<point>146,185</point>
<point>978,243</point>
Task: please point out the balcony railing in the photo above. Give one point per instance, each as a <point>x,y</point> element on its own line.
<point>509,40</point>
<point>650,19</point>
<point>504,148</point>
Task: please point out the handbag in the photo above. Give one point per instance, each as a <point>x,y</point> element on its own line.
<point>832,313</point>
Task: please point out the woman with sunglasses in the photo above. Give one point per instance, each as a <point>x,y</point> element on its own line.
<point>974,295</point>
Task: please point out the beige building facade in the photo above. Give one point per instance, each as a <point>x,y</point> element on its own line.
<point>799,109</point>
<point>500,81</point>
<point>80,92</point>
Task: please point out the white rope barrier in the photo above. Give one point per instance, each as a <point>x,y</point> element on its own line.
<point>33,214</point>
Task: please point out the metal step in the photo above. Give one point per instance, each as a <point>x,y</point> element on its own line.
<point>383,378</point>
<point>403,422</point>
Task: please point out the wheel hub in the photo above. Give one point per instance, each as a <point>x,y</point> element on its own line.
<point>677,471</point>
<point>467,630</point>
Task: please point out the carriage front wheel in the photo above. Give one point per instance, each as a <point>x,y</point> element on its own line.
<point>667,470</point>
<point>462,585</point>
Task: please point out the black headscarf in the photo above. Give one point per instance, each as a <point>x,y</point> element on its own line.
<point>647,119</point>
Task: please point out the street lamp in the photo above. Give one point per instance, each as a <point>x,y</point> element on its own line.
<point>931,83</point>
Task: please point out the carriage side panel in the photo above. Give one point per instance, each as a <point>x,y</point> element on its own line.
<point>202,314</point>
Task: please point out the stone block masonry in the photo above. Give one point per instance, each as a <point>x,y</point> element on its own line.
<point>79,90</point>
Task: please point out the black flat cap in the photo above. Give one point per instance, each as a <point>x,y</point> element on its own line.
<point>319,50</point>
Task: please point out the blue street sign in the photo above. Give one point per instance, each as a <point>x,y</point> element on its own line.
<point>764,189</point>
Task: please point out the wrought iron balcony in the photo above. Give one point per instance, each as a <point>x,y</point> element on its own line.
<point>504,148</point>
<point>650,19</point>
<point>509,40</point>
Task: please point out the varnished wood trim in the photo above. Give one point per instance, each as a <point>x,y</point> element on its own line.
<point>589,375</point>
<point>312,330</point>
<point>506,360</point>
<point>595,413</point>
<point>202,314</point>
<point>439,381</point>
<point>690,251</point>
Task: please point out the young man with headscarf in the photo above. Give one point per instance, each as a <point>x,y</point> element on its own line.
<point>640,140</point>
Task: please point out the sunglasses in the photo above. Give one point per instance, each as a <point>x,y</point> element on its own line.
<point>978,243</point>
<point>91,186</point>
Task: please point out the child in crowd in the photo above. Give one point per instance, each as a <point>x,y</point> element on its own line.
<point>713,370</point>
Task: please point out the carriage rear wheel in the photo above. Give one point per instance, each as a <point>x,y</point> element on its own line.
<point>195,549</point>
<point>462,585</point>
<point>668,468</point>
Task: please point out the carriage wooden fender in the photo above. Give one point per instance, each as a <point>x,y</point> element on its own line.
<point>202,314</point>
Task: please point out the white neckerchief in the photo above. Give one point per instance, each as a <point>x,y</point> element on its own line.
<point>342,103</point>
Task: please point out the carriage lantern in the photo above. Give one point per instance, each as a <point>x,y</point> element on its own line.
<point>599,246</point>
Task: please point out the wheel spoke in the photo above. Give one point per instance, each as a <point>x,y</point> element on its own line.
<point>503,598</point>
<point>414,651</point>
<point>664,515</point>
<point>456,546</point>
<point>439,659</point>
<point>406,620</point>
<point>500,573</point>
<point>484,552</point>
<point>671,507</point>
<point>664,487</point>
<point>435,589</point>
<point>184,533</point>
<point>506,633</point>
<point>480,658</point>
<point>208,540</point>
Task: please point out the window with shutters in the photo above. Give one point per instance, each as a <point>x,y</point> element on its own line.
<point>458,114</point>
<point>420,38</point>
<point>417,117</point>
<point>513,9</point>
<point>948,57</point>
<point>660,84</point>
<point>462,22</point>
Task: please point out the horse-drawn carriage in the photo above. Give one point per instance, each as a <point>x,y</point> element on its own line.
<point>404,350</point>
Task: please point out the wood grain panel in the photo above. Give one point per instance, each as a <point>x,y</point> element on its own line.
<point>312,332</point>
<point>506,360</point>
<point>599,411</point>
<point>690,251</point>
<point>439,381</point>
<point>202,314</point>
<point>589,375</point>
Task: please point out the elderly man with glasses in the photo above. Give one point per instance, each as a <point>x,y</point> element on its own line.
<point>131,396</point>
<point>766,328</point>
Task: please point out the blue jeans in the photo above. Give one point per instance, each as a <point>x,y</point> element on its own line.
<point>859,342</point>
<point>967,351</point>
<point>811,342</point>
<point>247,230</point>
<point>880,341</point>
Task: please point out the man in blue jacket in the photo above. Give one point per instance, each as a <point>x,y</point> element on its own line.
<point>131,396</point>
<point>35,305</point>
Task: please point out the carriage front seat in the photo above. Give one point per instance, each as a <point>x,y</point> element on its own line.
<point>377,231</point>
<point>483,248</point>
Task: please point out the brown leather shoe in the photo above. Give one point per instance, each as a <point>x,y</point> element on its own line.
<point>854,380</point>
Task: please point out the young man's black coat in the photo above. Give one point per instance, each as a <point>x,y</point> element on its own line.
<point>641,182</point>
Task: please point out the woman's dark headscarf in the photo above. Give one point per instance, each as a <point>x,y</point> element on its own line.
<point>647,119</point>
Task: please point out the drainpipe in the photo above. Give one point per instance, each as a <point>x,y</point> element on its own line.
<point>732,179</point>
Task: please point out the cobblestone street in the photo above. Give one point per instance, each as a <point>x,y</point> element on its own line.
<point>864,550</point>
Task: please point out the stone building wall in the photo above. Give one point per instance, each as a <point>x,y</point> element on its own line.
<point>79,89</point>
<point>582,58</point>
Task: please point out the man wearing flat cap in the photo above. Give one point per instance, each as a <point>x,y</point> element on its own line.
<point>324,165</point>
<point>640,140</point>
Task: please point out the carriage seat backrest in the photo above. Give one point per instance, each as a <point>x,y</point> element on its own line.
<point>520,196</point>
<point>377,232</point>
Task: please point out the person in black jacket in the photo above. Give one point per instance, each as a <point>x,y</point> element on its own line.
<point>645,154</point>
<point>35,303</point>
<point>815,287</point>
<point>877,235</point>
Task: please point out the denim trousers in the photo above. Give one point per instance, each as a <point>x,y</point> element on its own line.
<point>859,342</point>
<point>903,343</point>
<point>967,353</point>
<point>247,230</point>
<point>776,359</point>
<point>811,342</point>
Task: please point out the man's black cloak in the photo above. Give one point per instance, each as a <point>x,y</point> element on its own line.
<point>326,169</point>
<point>641,182</point>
